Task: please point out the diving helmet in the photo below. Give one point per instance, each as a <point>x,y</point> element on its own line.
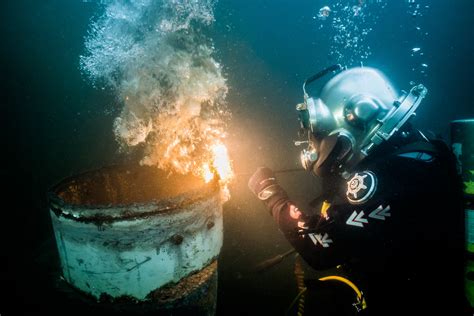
<point>356,110</point>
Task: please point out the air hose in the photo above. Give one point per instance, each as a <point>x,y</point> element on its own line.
<point>299,274</point>
<point>360,304</point>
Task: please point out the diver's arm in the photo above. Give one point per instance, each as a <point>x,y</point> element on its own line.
<point>311,237</point>
<point>315,238</point>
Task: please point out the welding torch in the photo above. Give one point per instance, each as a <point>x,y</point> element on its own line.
<point>286,170</point>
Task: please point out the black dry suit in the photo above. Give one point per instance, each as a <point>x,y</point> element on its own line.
<point>396,222</point>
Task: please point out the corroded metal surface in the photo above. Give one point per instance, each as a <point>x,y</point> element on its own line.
<point>174,292</point>
<point>130,231</point>
<point>118,193</point>
<point>195,294</point>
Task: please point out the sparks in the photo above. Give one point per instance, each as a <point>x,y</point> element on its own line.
<point>207,173</point>
<point>219,164</point>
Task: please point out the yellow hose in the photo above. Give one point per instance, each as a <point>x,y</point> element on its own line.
<point>299,274</point>
<point>360,297</point>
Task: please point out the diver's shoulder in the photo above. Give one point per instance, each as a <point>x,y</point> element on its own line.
<point>420,151</point>
<point>427,153</point>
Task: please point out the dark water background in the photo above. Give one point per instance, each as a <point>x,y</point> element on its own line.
<point>55,124</point>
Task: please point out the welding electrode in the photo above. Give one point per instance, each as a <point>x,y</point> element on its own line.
<point>288,170</point>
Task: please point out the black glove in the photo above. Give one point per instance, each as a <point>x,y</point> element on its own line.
<point>265,186</point>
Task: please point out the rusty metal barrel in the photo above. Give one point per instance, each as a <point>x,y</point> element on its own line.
<point>138,234</point>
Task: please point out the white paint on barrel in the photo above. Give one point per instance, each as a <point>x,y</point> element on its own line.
<point>135,249</point>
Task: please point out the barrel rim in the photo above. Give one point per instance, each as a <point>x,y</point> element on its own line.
<point>124,210</point>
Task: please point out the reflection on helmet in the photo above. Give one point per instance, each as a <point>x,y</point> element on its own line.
<point>356,110</point>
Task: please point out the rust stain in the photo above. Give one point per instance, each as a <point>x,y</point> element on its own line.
<point>118,187</point>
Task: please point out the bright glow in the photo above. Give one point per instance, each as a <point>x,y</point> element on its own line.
<point>221,162</point>
<point>207,173</point>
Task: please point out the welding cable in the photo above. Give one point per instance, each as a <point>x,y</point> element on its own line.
<point>267,264</point>
<point>300,298</point>
<point>360,297</point>
<point>295,300</point>
<point>299,274</point>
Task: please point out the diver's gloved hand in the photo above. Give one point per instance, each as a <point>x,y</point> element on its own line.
<point>265,186</point>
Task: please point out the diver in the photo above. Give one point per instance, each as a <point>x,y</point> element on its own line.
<point>389,214</point>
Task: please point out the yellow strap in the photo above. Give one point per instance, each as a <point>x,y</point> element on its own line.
<point>360,297</point>
<point>324,209</point>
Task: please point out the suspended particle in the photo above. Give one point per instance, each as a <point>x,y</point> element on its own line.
<point>324,12</point>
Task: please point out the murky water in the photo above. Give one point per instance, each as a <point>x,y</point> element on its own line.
<point>91,83</point>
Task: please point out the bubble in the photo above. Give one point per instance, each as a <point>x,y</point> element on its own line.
<point>417,10</point>
<point>349,27</point>
<point>171,91</point>
<point>356,10</point>
<point>324,13</point>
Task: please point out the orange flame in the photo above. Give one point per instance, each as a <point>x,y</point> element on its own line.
<point>220,163</point>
